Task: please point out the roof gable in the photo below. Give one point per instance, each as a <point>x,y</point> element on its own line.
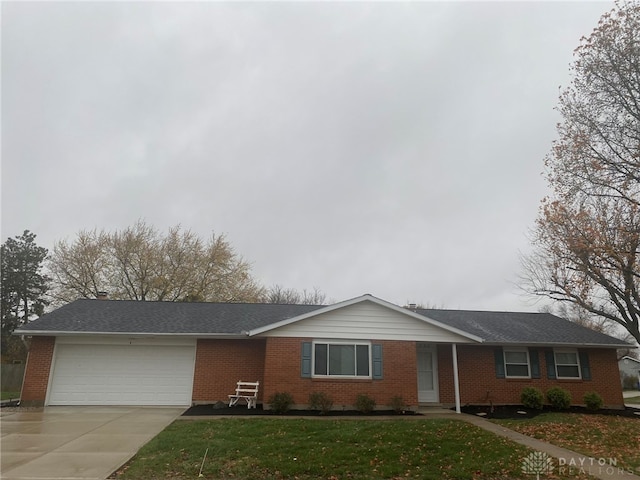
<point>363,318</point>
<point>627,357</point>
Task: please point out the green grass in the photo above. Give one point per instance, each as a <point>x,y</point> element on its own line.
<point>331,449</point>
<point>635,400</point>
<point>9,395</point>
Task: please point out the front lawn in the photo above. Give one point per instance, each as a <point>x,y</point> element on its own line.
<point>597,436</point>
<point>330,449</point>
<point>634,400</point>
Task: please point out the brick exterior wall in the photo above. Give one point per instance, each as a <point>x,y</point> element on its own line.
<point>221,363</point>
<point>36,375</point>
<point>282,373</point>
<point>479,385</point>
<point>276,364</point>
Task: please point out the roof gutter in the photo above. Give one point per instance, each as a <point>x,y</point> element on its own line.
<point>245,334</point>
<point>559,344</point>
<point>53,333</point>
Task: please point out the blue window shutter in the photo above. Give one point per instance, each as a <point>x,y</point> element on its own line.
<point>584,365</point>
<point>305,370</point>
<point>551,364</point>
<point>498,356</point>
<point>376,357</point>
<point>535,363</point>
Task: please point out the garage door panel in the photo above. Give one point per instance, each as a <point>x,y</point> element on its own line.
<point>122,375</point>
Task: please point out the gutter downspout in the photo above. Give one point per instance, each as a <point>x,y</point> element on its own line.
<point>456,383</point>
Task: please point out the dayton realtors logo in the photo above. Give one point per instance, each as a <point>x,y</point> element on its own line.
<point>539,463</point>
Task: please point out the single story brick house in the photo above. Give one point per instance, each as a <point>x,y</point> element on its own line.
<point>109,352</point>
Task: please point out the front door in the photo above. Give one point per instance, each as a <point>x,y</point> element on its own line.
<point>427,374</point>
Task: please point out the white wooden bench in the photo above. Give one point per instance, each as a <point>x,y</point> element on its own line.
<point>247,391</point>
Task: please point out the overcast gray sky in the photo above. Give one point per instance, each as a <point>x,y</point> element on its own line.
<point>386,148</point>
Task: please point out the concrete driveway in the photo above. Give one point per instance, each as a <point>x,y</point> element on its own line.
<point>76,442</point>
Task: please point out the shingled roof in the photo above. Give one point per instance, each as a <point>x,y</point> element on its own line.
<point>238,319</point>
<point>179,318</point>
<point>519,327</point>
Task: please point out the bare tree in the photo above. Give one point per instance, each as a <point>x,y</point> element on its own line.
<point>139,263</point>
<point>587,236</point>
<point>80,269</point>
<point>281,295</point>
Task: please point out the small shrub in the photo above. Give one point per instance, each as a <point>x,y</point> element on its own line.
<point>320,401</point>
<point>364,403</point>
<point>593,401</point>
<point>532,397</point>
<point>397,404</point>
<point>280,402</point>
<point>559,398</point>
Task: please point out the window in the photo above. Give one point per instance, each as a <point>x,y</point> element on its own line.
<point>342,359</point>
<point>567,364</point>
<point>516,363</point>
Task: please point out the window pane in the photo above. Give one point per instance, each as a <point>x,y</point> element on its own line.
<point>515,357</point>
<point>342,360</point>
<point>517,371</point>
<point>362,360</point>
<point>568,371</point>
<point>566,358</point>
<point>320,359</point>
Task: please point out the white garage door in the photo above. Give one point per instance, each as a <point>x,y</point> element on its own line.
<point>122,375</point>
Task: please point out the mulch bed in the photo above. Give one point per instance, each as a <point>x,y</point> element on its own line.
<point>223,409</point>
<point>485,411</point>
<point>518,411</point>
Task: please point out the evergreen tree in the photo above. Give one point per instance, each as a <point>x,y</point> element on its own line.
<point>23,285</point>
